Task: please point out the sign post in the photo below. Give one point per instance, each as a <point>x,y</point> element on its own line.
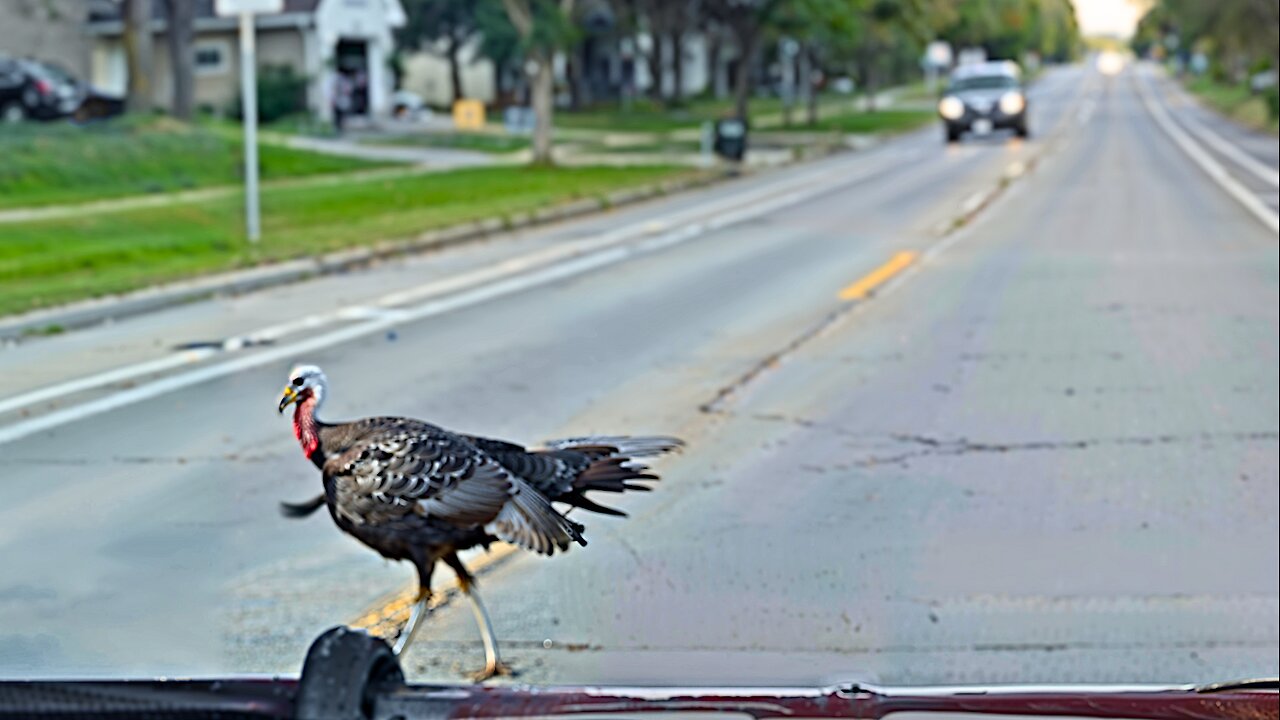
<point>245,10</point>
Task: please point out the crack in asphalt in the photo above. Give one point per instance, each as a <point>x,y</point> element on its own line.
<point>930,445</point>
<point>933,446</point>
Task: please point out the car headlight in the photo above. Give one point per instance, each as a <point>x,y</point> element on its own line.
<point>951,108</point>
<point>1012,103</point>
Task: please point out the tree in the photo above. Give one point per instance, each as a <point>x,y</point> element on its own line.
<point>666,22</point>
<point>830,32</point>
<point>138,58</point>
<point>746,21</point>
<point>451,22</point>
<point>543,26</point>
<point>499,42</point>
<point>181,28</point>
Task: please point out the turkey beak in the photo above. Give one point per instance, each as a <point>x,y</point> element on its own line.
<point>289,397</point>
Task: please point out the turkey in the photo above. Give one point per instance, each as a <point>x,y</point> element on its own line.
<point>413,491</point>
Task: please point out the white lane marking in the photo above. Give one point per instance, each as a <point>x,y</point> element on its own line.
<point>1231,150</point>
<point>1211,167</point>
<point>543,275</point>
<point>129,372</point>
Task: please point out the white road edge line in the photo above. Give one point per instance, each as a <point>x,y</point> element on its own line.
<point>128,372</point>
<point>1211,167</point>
<point>1232,151</point>
<point>807,188</point>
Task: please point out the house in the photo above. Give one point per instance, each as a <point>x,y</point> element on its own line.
<point>316,38</point>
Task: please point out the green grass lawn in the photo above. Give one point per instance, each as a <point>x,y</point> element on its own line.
<point>659,146</point>
<point>482,142</point>
<point>46,164</point>
<point>646,116</point>
<point>881,121</point>
<point>56,261</point>
<point>1234,101</point>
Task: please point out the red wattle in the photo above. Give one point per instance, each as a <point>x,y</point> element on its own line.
<point>304,425</point>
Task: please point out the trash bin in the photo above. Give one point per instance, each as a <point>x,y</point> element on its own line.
<point>731,139</point>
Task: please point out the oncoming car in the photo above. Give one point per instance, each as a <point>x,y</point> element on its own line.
<point>982,98</point>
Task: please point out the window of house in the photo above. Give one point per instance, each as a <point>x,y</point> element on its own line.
<point>211,58</point>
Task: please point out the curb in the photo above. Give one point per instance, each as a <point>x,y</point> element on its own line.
<point>86,313</point>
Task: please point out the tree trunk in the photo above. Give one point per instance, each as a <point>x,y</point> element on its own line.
<point>455,71</point>
<point>812,92</point>
<point>543,101</point>
<point>138,57</point>
<point>573,71</point>
<point>676,42</point>
<point>181,20</point>
<point>742,83</point>
<point>713,62</point>
<point>654,60</point>
<point>870,78</point>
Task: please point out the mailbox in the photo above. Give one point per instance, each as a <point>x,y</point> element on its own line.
<point>731,138</point>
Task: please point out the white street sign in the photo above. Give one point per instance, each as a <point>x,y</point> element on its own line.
<point>938,54</point>
<point>237,7</point>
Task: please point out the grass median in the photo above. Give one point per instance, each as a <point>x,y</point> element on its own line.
<point>48,164</point>
<point>1236,102</point>
<point>880,121</point>
<point>56,261</point>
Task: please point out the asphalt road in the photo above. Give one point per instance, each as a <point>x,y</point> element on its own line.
<point>1047,451</point>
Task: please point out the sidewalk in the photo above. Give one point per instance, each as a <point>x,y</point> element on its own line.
<point>416,161</point>
<point>433,158</point>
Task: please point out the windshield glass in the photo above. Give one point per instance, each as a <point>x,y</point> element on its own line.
<point>745,342</point>
<point>983,82</point>
<point>53,72</point>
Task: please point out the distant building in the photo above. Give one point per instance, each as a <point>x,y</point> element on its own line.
<point>317,38</point>
<point>426,73</point>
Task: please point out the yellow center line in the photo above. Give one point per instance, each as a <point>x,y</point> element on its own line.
<point>879,276</point>
<point>386,616</point>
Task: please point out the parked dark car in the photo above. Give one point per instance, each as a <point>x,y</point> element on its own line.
<point>31,90</point>
<point>982,98</point>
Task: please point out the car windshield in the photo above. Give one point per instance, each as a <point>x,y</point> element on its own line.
<point>770,343</point>
<point>983,82</point>
<point>53,72</point>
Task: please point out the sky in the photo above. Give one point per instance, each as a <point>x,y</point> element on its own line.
<point>1109,17</point>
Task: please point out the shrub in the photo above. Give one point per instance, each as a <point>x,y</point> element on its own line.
<point>281,92</point>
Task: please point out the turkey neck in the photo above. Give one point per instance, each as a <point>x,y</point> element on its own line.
<point>306,428</point>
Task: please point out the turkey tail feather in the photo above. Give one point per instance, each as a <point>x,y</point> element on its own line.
<point>616,445</point>
<point>613,467</point>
